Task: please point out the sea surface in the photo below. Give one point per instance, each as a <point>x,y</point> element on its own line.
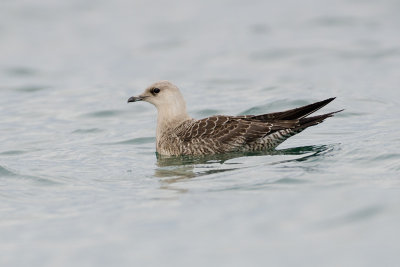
<point>80,182</point>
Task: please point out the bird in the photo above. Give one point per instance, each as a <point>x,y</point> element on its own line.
<point>178,134</point>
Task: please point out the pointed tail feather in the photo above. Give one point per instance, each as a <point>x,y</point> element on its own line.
<point>314,120</point>
<point>293,114</point>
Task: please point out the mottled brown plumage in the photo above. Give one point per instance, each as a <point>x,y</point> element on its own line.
<point>178,134</point>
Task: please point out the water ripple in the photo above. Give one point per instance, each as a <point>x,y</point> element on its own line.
<point>104,113</point>
<point>13,152</point>
<point>20,71</point>
<point>274,106</point>
<point>4,172</point>
<point>178,168</point>
<point>361,214</point>
<point>290,181</point>
<point>31,88</point>
<point>207,112</point>
<point>84,131</point>
<point>134,141</point>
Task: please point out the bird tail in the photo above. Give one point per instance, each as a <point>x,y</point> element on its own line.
<point>293,114</point>
<point>314,120</point>
<point>300,125</point>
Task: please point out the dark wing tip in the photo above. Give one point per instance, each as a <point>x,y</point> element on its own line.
<point>293,114</point>
<point>311,121</point>
<point>326,101</point>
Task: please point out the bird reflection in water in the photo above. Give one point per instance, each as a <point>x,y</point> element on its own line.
<point>174,169</point>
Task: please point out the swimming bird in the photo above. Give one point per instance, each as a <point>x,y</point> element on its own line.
<point>179,134</point>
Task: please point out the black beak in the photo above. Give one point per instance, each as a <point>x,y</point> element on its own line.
<point>135,98</point>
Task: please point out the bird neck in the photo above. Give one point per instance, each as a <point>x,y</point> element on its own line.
<point>169,117</point>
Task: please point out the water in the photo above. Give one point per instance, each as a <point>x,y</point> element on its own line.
<point>80,184</point>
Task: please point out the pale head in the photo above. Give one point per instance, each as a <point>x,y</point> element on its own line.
<point>167,98</point>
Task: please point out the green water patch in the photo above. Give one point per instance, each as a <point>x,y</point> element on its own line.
<point>270,88</point>
<point>85,131</point>
<point>254,110</point>
<point>285,104</point>
<point>207,112</point>
<point>290,181</point>
<point>275,106</point>
<point>5,172</point>
<point>134,141</point>
<point>359,215</point>
<point>104,113</point>
<point>31,88</point>
<point>12,153</point>
<point>20,71</point>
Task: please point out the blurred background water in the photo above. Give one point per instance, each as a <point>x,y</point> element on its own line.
<point>80,184</point>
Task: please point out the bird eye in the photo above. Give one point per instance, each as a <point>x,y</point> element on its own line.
<point>155,90</point>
